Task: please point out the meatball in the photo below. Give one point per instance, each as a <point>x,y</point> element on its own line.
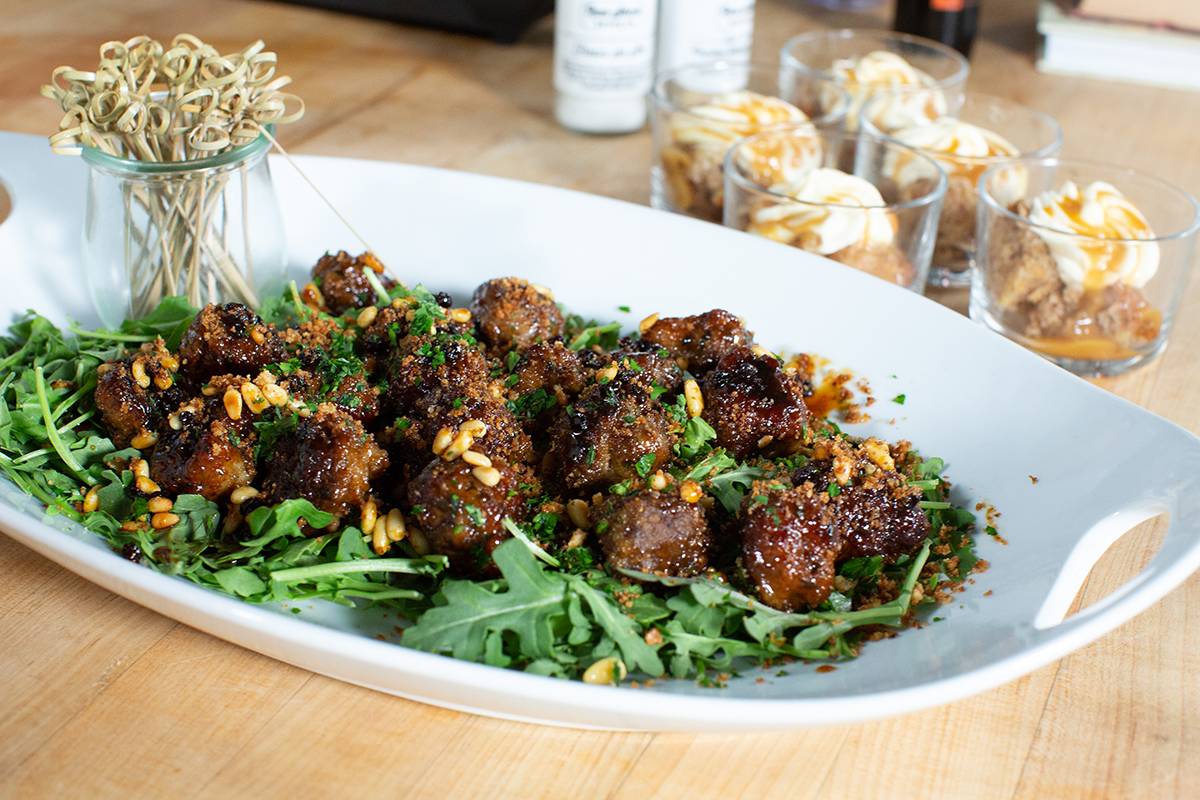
<point>228,339</point>
<point>875,512</point>
<point>656,362</point>
<point>210,454</point>
<point>654,532</point>
<point>546,378</point>
<point>789,545</point>
<point>701,340</point>
<point>612,434</point>
<point>436,382</point>
<point>754,406</point>
<point>131,394</point>
<point>511,314</point>
<point>461,517</point>
<point>428,373</point>
<point>329,460</point>
<point>502,434</point>
<point>342,283</point>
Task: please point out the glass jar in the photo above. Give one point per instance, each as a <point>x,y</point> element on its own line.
<point>207,229</point>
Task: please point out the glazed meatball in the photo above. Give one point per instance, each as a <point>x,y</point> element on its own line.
<point>427,373</point>
<point>700,340</point>
<point>604,437</point>
<point>511,314</point>
<point>342,283</point>
<point>462,517</point>
<point>436,382</point>
<point>875,512</point>
<point>130,393</point>
<point>789,545</point>
<point>754,406</point>
<point>328,460</point>
<point>660,368</point>
<point>502,435</point>
<point>228,339</point>
<point>655,532</point>
<point>334,375</point>
<point>210,454</point>
<point>547,377</point>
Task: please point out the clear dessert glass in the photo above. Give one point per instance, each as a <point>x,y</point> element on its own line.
<point>827,53</point>
<point>208,229</point>
<point>836,199</point>
<point>1006,130</point>
<point>700,110</point>
<point>1094,303</point>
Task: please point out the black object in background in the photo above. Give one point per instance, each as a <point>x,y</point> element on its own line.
<point>501,20</point>
<point>951,22</point>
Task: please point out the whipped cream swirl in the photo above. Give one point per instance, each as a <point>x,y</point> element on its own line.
<point>726,118</point>
<point>881,72</point>
<point>836,210</point>
<point>970,143</point>
<point>1102,227</point>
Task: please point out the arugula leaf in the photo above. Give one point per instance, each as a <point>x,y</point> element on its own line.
<point>532,602</point>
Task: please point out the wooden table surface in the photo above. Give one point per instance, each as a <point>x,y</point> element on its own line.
<point>100,697</point>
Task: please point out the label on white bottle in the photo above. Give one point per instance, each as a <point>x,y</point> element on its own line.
<point>604,48</point>
<point>695,31</point>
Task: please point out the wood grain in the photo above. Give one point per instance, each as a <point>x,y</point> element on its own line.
<point>101,698</point>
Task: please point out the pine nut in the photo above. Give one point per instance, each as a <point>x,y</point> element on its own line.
<point>147,486</point>
<point>395,525</point>
<point>265,378</point>
<point>143,440</point>
<point>443,439</point>
<point>91,500</point>
<point>159,505</point>
<point>462,315</point>
<point>488,476</point>
<point>104,368</point>
<point>608,373</point>
<point>477,427</point>
<point>369,513</point>
<point>163,519</point>
<point>658,481</point>
<point>169,361</point>
<point>461,444</point>
<point>254,398</point>
<point>419,543</point>
<point>878,452</point>
<point>577,512</point>
<point>257,335</point>
<point>242,494</point>
<point>766,440</point>
<point>233,403</point>
<point>379,539</point>
<point>605,672</point>
<point>647,323</point>
<point>311,296</point>
<point>140,467</point>
<point>367,316</point>
<point>693,397</point>
<point>476,459</point>
<point>275,394</point>
<point>139,374</point>
<point>208,390</point>
<point>690,491</point>
<point>163,380</point>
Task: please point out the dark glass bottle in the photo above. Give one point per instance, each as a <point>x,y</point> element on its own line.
<point>951,22</point>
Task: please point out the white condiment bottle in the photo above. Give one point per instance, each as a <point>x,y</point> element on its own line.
<point>704,31</point>
<point>603,63</point>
